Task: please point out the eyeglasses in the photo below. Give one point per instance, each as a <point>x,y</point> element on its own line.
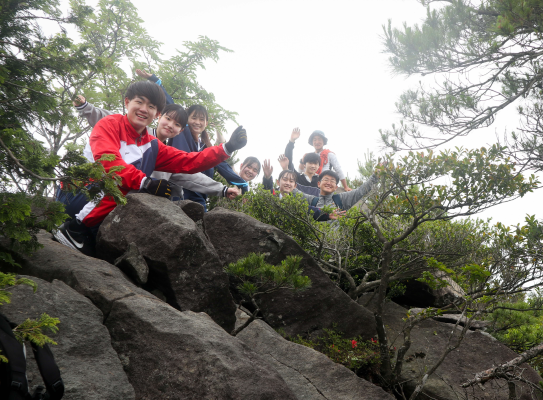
<point>324,180</point>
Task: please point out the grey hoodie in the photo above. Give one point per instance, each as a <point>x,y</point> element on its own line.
<point>196,182</point>
<point>349,199</point>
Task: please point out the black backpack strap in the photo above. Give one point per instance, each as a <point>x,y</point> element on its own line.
<point>14,385</point>
<point>314,201</point>
<point>337,200</point>
<point>49,372</point>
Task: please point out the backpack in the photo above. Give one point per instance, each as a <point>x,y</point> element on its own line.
<point>13,382</point>
<point>335,197</point>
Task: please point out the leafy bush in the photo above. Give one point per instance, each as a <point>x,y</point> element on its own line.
<point>359,355</point>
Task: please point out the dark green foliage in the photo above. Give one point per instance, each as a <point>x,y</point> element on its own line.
<point>258,277</point>
<point>519,325</point>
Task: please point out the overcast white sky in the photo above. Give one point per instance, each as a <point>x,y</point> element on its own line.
<point>309,64</point>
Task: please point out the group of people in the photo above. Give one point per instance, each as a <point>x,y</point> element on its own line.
<point>177,160</point>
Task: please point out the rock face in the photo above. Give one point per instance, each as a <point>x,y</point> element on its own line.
<point>99,281</point>
<point>194,211</point>
<point>90,368</point>
<point>309,311</point>
<point>476,353</point>
<point>170,354</point>
<point>308,373</point>
<point>182,263</point>
<point>133,264</point>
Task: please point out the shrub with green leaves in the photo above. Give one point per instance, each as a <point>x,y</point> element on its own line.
<point>359,355</point>
<point>258,277</point>
<point>519,325</point>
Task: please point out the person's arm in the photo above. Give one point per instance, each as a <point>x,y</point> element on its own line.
<point>267,181</point>
<point>170,159</point>
<point>155,79</point>
<point>334,163</point>
<point>349,199</point>
<point>200,183</point>
<point>308,197</point>
<point>90,112</point>
<point>290,147</point>
<point>231,177</point>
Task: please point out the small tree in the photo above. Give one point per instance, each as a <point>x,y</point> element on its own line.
<point>258,277</point>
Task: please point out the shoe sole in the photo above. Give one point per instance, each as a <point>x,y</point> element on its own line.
<point>59,236</point>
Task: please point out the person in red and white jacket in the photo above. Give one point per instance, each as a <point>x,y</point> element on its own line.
<point>126,137</point>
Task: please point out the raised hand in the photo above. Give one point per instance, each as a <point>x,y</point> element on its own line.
<point>267,168</point>
<point>79,100</point>
<point>283,160</point>
<point>237,141</point>
<point>295,134</point>
<point>143,74</point>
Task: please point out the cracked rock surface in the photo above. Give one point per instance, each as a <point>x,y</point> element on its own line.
<point>182,263</point>
<point>169,354</point>
<point>309,311</point>
<point>308,373</point>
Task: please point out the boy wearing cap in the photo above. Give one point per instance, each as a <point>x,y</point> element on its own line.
<point>329,159</point>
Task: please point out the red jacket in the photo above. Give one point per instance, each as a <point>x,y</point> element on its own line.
<point>141,154</point>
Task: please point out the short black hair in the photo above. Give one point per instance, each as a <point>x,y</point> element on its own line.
<point>312,158</point>
<point>177,113</point>
<point>252,160</point>
<point>197,109</point>
<point>329,173</point>
<point>287,172</point>
<point>151,91</point>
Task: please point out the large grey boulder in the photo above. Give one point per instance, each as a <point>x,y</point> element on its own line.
<point>182,263</point>
<point>90,368</point>
<point>477,352</point>
<point>308,373</point>
<point>169,354</point>
<point>98,280</point>
<point>234,235</point>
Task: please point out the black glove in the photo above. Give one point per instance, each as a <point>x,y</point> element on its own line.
<point>160,187</point>
<point>237,141</point>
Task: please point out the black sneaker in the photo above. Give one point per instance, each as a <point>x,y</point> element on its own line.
<point>76,236</point>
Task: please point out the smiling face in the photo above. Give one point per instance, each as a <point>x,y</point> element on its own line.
<point>167,128</point>
<point>287,183</point>
<point>318,143</point>
<point>248,172</point>
<point>197,123</point>
<point>327,185</point>
<point>140,112</point>
<point>311,168</point>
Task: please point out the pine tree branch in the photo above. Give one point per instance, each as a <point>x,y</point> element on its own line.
<point>18,163</point>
